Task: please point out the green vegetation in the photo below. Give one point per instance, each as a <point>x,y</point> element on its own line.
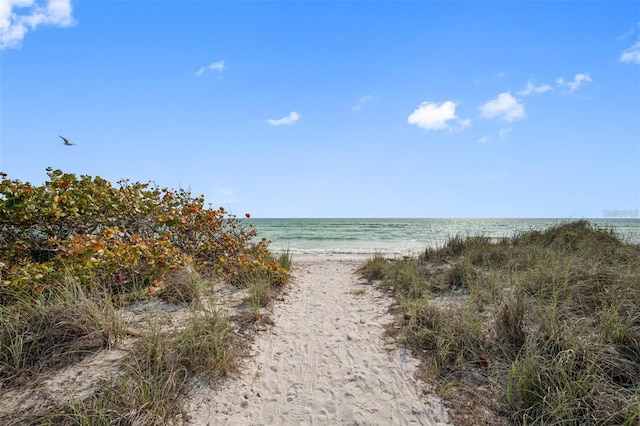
<point>77,252</point>
<point>541,328</point>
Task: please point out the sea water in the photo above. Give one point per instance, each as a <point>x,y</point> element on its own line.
<point>405,236</point>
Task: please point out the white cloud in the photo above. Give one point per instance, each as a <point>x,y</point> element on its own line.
<point>463,124</point>
<point>434,116</point>
<point>215,66</point>
<point>575,84</point>
<point>483,139</point>
<point>505,107</point>
<point>530,88</point>
<point>366,99</point>
<point>504,133</point>
<point>14,26</point>
<point>577,81</point>
<point>289,119</point>
<point>632,54</point>
<point>631,32</point>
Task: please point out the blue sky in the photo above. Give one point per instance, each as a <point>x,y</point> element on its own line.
<point>330,108</point>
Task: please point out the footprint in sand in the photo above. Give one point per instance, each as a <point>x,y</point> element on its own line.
<point>324,362</point>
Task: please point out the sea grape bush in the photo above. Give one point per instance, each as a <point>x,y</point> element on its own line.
<point>123,236</point>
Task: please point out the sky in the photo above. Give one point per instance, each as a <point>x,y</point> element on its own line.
<point>363,109</point>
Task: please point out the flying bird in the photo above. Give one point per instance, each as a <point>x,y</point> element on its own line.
<point>65,141</point>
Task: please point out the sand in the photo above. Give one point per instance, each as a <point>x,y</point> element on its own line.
<point>326,360</point>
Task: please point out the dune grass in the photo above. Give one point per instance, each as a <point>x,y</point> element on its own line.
<point>154,378</point>
<point>147,386</point>
<point>36,334</point>
<point>540,328</point>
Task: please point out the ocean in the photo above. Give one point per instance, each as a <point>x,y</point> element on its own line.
<point>404,236</point>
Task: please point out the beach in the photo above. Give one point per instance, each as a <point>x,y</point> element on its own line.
<point>325,359</point>
<point>323,347</point>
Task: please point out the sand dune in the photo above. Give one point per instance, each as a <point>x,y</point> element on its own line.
<point>325,360</point>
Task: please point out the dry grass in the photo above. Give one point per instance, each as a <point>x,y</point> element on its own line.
<point>184,287</point>
<point>149,384</point>
<point>51,331</point>
<point>544,326</point>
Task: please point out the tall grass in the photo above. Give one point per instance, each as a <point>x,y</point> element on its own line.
<point>206,347</point>
<point>149,385</point>
<point>548,321</point>
<point>148,390</point>
<point>285,259</point>
<point>154,379</point>
<point>68,323</point>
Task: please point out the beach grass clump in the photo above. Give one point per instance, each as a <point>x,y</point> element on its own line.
<point>452,336</point>
<point>374,269</point>
<point>148,389</point>
<point>206,346</point>
<point>184,286</point>
<point>46,332</point>
<point>285,259</point>
<point>260,293</point>
<point>152,381</point>
<point>152,387</point>
<point>546,324</point>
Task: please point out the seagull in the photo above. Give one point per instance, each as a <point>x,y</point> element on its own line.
<point>66,141</point>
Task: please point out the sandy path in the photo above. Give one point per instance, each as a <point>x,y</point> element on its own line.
<point>325,361</point>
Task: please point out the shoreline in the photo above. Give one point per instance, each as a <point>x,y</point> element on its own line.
<point>400,237</point>
<point>325,257</point>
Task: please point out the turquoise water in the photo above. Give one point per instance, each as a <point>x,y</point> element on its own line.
<point>404,236</point>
